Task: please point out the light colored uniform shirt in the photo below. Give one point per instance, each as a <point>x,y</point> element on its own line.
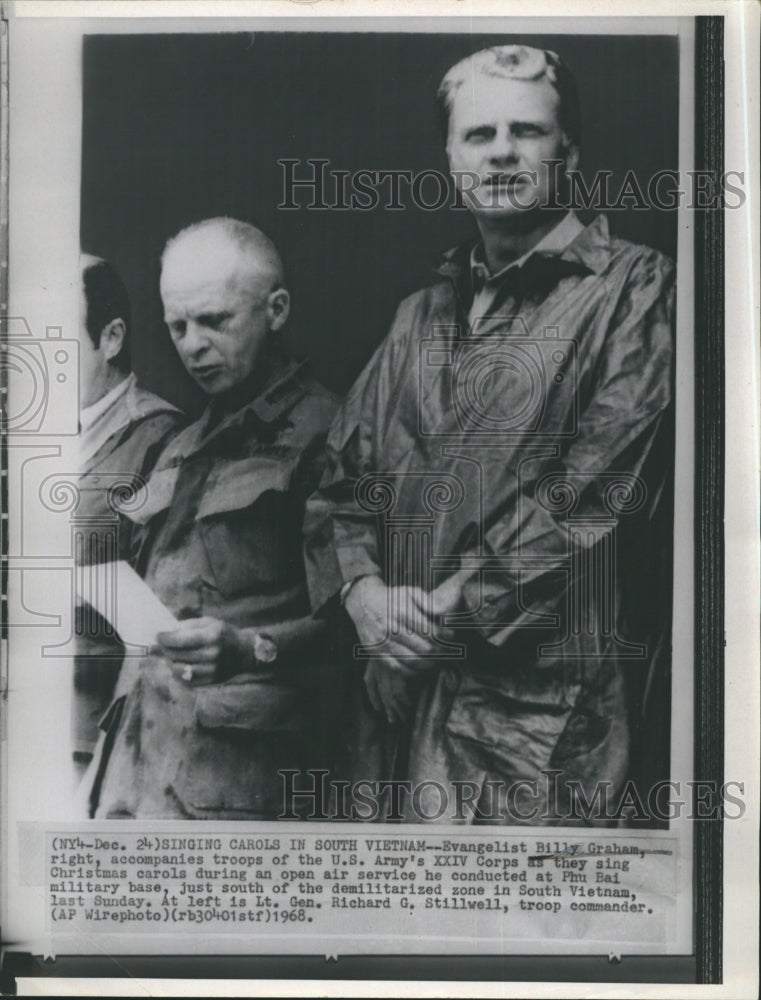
<point>105,417</point>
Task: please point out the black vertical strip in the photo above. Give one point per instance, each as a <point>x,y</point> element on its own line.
<point>709,492</point>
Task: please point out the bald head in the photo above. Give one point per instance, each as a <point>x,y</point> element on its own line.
<point>217,242</point>
<point>223,295</point>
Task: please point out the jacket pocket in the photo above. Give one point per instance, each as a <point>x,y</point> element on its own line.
<point>156,496</point>
<point>250,526</point>
<point>241,734</point>
<point>261,705</point>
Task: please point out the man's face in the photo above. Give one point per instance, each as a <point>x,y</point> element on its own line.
<point>500,132</point>
<point>215,305</point>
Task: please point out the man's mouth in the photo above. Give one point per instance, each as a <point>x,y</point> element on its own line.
<point>505,180</point>
<point>205,371</point>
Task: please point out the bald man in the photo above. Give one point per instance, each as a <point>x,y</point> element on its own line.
<point>123,428</point>
<point>236,692</point>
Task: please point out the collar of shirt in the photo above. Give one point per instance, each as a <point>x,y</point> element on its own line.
<point>554,243</point>
<point>281,387</point>
<point>591,248</point>
<point>90,414</point>
<point>97,423</point>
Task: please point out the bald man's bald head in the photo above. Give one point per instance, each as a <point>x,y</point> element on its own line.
<point>213,238</point>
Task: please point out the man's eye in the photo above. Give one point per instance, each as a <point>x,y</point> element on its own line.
<point>177,328</point>
<point>528,131</point>
<point>479,134</point>
<point>213,320</point>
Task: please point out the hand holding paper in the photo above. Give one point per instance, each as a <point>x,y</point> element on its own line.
<point>205,650</point>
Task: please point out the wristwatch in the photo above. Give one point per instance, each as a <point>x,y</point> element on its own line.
<point>265,648</point>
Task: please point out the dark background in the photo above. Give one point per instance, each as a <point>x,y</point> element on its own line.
<point>178,128</point>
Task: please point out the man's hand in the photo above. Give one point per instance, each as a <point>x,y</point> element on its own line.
<point>205,650</point>
<point>401,620</point>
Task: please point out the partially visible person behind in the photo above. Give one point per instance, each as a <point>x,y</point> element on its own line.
<point>242,687</point>
<point>123,427</point>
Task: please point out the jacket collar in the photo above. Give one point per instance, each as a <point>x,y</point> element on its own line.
<point>281,388</point>
<point>591,249</point>
<point>142,403</point>
<point>112,418</point>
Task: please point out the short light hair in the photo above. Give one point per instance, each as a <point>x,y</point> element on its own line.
<point>515,62</point>
<point>248,238</point>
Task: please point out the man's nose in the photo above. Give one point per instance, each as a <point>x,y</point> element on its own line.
<point>504,149</point>
<point>195,340</point>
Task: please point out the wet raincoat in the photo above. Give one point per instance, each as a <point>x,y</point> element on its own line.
<point>533,446</point>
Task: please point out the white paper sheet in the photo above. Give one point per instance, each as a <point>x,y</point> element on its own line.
<point>126,602</point>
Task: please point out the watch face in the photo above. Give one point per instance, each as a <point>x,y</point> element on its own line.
<point>265,649</point>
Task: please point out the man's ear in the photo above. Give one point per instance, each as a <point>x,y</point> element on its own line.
<point>571,156</point>
<point>278,307</point>
<point>112,338</point>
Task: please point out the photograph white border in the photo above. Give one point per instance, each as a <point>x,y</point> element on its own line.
<point>57,136</point>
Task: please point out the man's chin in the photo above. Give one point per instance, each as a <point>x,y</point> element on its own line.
<point>501,210</point>
<point>500,200</point>
<point>213,384</point>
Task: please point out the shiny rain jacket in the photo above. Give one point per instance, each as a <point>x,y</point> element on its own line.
<point>220,535</point>
<point>533,448</point>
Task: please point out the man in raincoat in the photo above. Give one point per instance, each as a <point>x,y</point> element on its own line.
<point>496,481</point>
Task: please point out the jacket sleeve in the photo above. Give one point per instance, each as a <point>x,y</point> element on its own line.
<point>341,539</point>
<point>614,469</point>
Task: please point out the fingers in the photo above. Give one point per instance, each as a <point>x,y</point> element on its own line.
<point>401,621</point>
<point>403,645</point>
<point>428,608</point>
<point>200,642</point>
<point>379,694</point>
<point>190,634</point>
<point>395,697</point>
<point>448,594</point>
<point>388,691</point>
<point>203,654</point>
<point>371,686</point>
<point>193,674</point>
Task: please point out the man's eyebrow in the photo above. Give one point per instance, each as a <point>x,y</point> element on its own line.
<point>214,314</point>
<point>531,123</point>
<point>515,123</point>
